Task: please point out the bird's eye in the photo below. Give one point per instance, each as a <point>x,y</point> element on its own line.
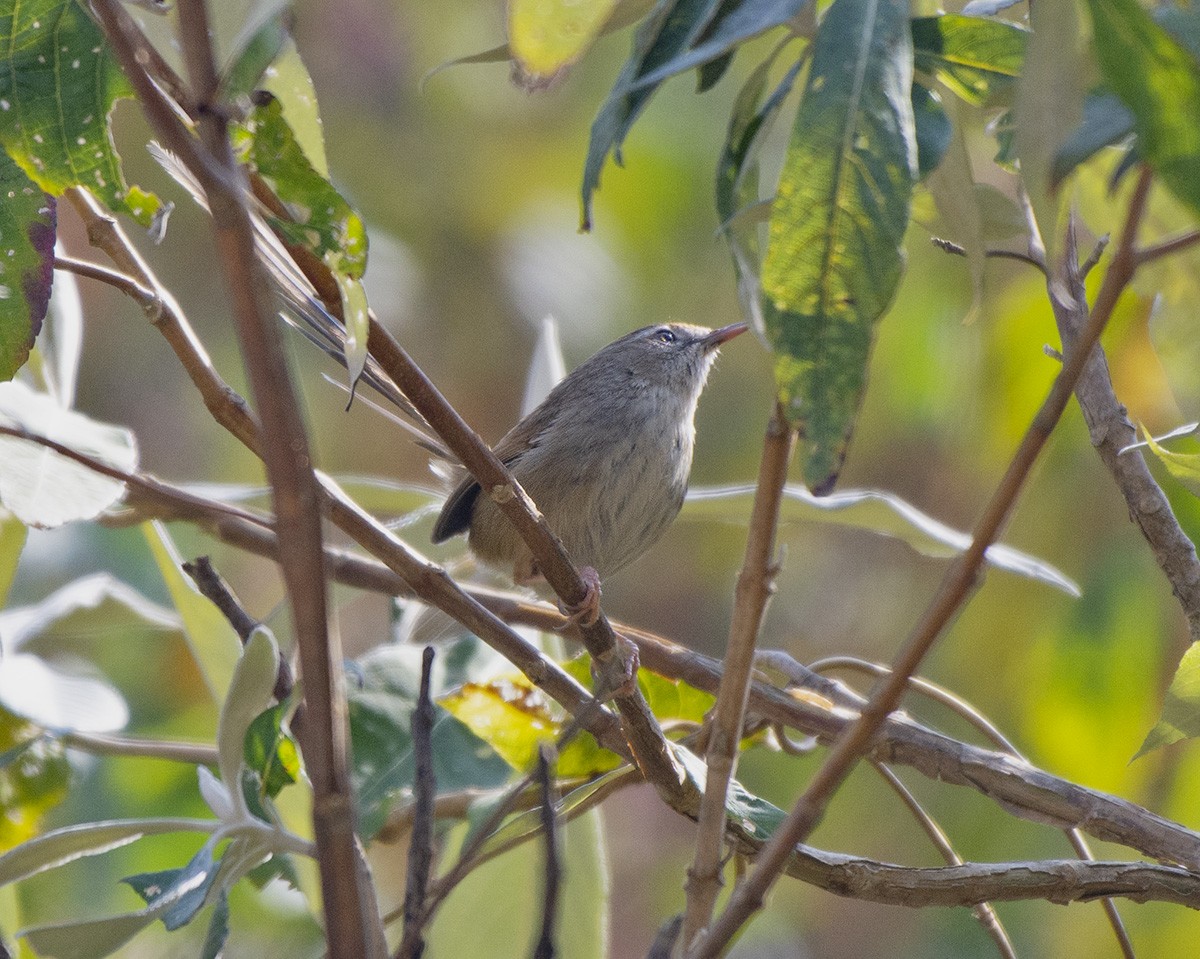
<point>665,336</point>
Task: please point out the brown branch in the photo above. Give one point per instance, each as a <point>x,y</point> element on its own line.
<point>949,246</point>
<point>420,846</point>
<point>552,871</point>
<point>755,584</point>
<point>144,297</point>
<point>1148,254</point>
<point>952,593</point>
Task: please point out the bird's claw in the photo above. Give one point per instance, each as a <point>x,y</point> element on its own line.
<point>587,611</point>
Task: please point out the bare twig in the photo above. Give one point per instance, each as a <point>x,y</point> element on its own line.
<point>1148,254</point>
<point>552,871</point>
<point>949,246</point>
<point>754,587</point>
<point>955,587</point>
<point>420,846</point>
<point>94,271</point>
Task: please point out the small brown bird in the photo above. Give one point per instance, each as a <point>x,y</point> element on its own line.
<point>606,456</point>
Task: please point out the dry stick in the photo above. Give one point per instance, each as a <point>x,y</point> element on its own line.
<point>984,912</point>
<point>616,665</point>
<point>352,925</point>
<point>953,591</point>
<point>755,584</point>
<point>420,846</point>
<point>552,878</point>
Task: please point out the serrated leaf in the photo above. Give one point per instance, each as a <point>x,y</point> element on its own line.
<point>1184,467</point>
<point>176,895</point>
<point>1159,80</point>
<point>545,36</point>
<point>250,692</point>
<point>977,59</point>
<point>62,846</point>
<point>834,259</point>
<point>43,488</point>
<point>1180,718</point>
<point>28,222</point>
<point>875,511</point>
<point>58,85</point>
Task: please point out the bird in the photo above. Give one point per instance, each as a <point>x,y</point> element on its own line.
<point>606,457</point>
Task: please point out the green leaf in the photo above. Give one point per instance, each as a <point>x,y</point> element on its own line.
<point>62,846</point>
<point>1106,120</point>
<point>90,939</point>
<point>28,219</point>
<point>1184,467</point>
<point>1159,80</point>
<point>214,643</point>
<point>250,692</point>
<point>255,57</point>
<point>670,29</point>
<point>978,59</point>
<point>12,543</point>
<point>288,80</point>
<point>933,129</point>
<point>271,750</point>
<point>381,697</point>
<point>545,36</point>
<point>218,929</point>
<point>58,85</point>
<point>671,700</point>
<point>873,510</point>
<point>34,776</point>
<point>176,895</point>
<point>1180,718</point>
<point>834,260</point>
<point>43,488</point>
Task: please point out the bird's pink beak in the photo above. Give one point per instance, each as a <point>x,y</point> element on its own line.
<point>723,335</point>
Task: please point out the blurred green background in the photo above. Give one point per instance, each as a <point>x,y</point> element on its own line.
<point>470,189</point>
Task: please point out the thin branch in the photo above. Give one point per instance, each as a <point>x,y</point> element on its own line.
<point>984,911</point>
<point>420,846</point>
<point>94,271</point>
<point>1155,251</point>
<point>755,584</point>
<point>952,593</point>
<point>552,871</point>
<point>949,246</point>
<point>195,754</point>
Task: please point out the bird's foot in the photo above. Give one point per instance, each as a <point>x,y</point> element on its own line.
<point>586,611</point>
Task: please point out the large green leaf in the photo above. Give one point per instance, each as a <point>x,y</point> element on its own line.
<point>834,259</point>
<point>58,85</point>
<point>1159,80</point>
<point>27,226</point>
<point>976,58</point>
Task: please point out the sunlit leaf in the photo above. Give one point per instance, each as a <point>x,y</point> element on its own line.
<point>1159,80</point>
<point>43,488</point>
<point>27,224</point>
<point>671,700</point>
<point>271,750</point>
<point>976,58</point>
<point>837,227</point>
<point>58,85</point>
<point>544,37</point>
<point>250,692</point>
<point>288,80</point>
<point>872,510</point>
<point>1180,718</point>
<point>34,775</point>
<point>1184,467</point>
<point>12,543</point>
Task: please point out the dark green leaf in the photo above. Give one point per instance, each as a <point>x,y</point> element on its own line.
<point>977,59</point>
<point>218,929</point>
<point>179,893</point>
<point>278,866</point>
<point>1106,120</point>
<point>28,222</point>
<point>933,129</point>
<point>670,29</point>
<point>58,85</point>
<point>709,74</point>
<point>837,227</point>
<point>381,701</point>
<point>1159,80</point>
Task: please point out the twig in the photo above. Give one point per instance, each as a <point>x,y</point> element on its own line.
<point>552,871</point>
<point>953,591</point>
<point>949,246</point>
<point>665,939</point>
<point>1148,254</point>
<point>420,846</point>
<point>984,911</point>
<point>144,297</point>
<point>196,754</point>
<point>213,588</point>
<point>754,588</point>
